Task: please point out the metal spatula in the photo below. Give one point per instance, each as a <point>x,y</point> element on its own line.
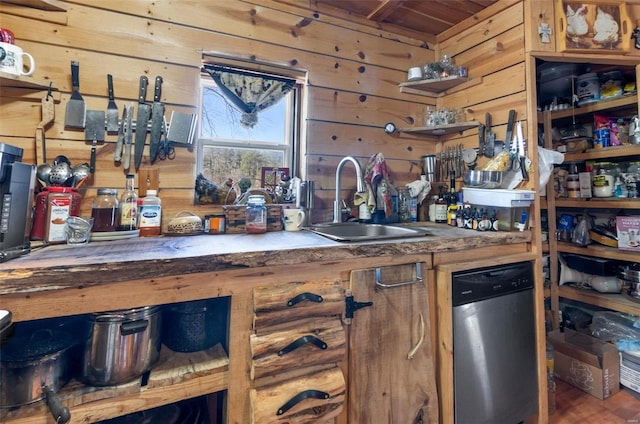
<point>76,111</point>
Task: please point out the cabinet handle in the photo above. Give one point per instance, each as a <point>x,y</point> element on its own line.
<point>302,341</point>
<point>312,297</point>
<point>406,283</point>
<point>316,394</point>
<point>133,327</point>
<point>414,349</point>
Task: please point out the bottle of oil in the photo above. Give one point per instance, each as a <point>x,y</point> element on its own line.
<point>128,206</point>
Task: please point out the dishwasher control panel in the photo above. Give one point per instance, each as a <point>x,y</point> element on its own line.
<point>484,283</point>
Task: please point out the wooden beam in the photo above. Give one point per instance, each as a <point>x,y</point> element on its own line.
<point>384,9</point>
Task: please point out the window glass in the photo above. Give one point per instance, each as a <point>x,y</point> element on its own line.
<point>231,150</point>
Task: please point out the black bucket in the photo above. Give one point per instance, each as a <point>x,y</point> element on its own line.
<point>195,325</point>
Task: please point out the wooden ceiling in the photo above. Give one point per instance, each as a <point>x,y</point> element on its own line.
<point>429,17</point>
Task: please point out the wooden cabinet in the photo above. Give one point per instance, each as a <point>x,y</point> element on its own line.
<point>391,361</point>
<point>601,207</point>
<point>297,344</point>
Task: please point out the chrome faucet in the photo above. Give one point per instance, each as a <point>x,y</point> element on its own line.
<point>360,185</point>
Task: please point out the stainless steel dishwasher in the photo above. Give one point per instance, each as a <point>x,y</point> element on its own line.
<point>494,346</point>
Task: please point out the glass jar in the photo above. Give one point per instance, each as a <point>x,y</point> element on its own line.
<point>603,179</point>
<point>256,215</point>
<point>104,210</point>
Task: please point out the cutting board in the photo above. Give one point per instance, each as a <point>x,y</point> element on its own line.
<point>384,384</point>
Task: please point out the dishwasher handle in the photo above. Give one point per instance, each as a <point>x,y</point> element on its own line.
<point>418,279</point>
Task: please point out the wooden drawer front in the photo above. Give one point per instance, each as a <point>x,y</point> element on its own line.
<point>314,341</point>
<point>292,301</point>
<point>278,404</point>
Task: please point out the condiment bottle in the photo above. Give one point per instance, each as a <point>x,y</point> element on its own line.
<point>150,215</point>
<point>256,215</point>
<point>441,208</point>
<point>128,210</point>
<point>104,210</point>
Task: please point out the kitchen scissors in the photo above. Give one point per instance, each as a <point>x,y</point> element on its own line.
<point>167,151</point>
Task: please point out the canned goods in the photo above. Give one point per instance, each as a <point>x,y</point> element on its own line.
<point>215,224</point>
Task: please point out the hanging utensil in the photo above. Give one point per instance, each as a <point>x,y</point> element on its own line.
<point>112,108</point>
<point>117,155</point>
<point>127,139</point>
<point>522,156</point>
<point>157,121</point>
<point>76,112</point>
<point>48,116</point>
<point>144,111</point>
<point>489,138</point>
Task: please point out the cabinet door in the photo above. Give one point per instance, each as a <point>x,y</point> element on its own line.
<point>391,365</point>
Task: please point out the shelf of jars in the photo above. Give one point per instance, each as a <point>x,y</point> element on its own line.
<point>599,203</point>
<point>617,302</point>
<point>604,153</point>
<point>599,251</point>
<point>176,376</point>
<point>629,101</point>
<point>432,87</point>
<point>439,130</point>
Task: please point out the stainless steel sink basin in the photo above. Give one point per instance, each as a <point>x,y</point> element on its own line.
<point>353,231</point>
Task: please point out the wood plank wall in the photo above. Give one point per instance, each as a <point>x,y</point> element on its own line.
<point>353,69</point>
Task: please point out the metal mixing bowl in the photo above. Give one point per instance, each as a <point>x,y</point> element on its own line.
<point>483,179</point>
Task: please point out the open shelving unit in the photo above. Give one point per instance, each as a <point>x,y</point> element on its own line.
<point>624,105</point>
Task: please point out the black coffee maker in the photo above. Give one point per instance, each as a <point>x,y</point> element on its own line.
<point>17,181</point>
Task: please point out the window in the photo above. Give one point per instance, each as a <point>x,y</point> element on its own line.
<point>229,147</point>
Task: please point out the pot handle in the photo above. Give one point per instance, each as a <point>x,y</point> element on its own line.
<point>59,412</point>
<point>132,327</point>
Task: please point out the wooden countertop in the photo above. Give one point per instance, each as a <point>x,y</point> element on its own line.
<point>60,266</point>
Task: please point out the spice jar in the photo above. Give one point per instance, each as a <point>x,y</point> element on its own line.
<point>52,207</point>
<point>256,215</point>
<point>603,179</point>
<point>104,210</point>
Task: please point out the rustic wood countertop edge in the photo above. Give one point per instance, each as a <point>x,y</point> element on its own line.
<point>60,266</point>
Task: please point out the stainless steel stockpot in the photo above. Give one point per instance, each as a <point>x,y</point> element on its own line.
<point>120,345</point>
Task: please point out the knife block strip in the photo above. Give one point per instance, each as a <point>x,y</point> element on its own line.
<point>148,179</point>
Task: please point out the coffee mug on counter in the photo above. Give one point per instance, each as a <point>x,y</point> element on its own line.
<point>12,60</point>
<point>293,219</point>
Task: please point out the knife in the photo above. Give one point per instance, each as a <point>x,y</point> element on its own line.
<point>127,138</point>
<point>144,111</point>
<point>521,154</point>
<point>512,120</point>
<point>157,115</point>
<point>481,139</point>
<point>117,156</point>
<point>489,138</point>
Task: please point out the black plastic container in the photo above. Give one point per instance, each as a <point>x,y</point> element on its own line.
<point>194,326</point>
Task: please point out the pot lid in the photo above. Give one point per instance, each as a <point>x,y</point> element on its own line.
<point>35,345</point>
<point>124,314</point>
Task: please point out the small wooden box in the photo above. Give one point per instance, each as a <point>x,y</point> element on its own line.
<point>596,26</point>
<point>235,217</point>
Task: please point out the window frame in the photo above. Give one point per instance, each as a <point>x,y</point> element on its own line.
<point>291,149</point>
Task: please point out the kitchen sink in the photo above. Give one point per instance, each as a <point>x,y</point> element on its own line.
<point>354,231</point>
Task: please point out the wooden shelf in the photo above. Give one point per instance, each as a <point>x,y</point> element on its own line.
<point>600,251</point>
<point>606,153</point>
<point>433,86</point>
<point>598,203</point>
<point>616,302</point>
<point>622,102</point>
<point>50,5</point>
<point>176,376</point>
<point>10,80</point>
<point>439,130</point>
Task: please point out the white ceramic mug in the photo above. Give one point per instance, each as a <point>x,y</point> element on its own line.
<point>293,219</point>
<point>12,60</point>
